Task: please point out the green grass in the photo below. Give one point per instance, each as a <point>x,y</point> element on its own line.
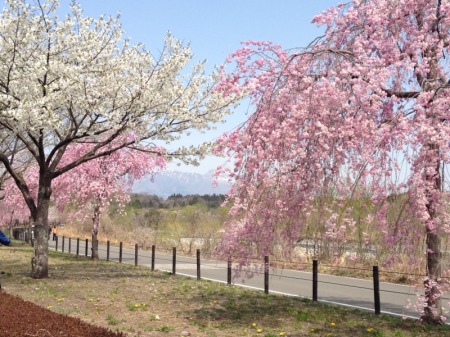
<point>112,320</point>
<point>164,328</point>
<point>126,297</point>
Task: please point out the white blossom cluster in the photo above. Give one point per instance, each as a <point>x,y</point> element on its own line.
<point>65,81</point>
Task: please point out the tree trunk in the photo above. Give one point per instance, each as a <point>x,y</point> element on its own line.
<point>433,310</point>
<point>96,222</point>
<point>39,262</point>
<point>94,248</point>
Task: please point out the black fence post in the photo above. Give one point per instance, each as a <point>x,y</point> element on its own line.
<point>86,247</point>
<point>70,245</point>
<point>315,280</point>
<point>229,271</point>
<point>266,274</point>
<point>78,246</point>
<point>376,290</point>
<point>136,249</point>
<point>56,243</point>
<point>198,264</point>
<point>62,244</point>
<point>153,257</point>
<point>174,260</point>
<point>107,250</point>
<point>120,251</point>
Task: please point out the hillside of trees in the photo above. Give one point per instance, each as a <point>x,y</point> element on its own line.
<point>143,200</point>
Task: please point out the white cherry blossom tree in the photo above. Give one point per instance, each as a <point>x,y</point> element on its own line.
<point>77,80</point>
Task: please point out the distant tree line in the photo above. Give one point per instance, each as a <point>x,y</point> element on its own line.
<point>143,200</point>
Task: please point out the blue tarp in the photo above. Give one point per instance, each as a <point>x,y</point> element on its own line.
<point>4,240</point>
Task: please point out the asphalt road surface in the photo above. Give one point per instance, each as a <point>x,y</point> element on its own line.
<point>346,291</point>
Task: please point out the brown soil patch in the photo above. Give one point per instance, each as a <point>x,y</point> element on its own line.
<point>21,318</point>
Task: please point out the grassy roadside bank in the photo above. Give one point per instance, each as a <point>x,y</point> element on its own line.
<point>144,303</point>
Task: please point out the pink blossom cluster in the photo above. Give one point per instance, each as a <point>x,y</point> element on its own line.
<point>361,112</point>
<point>89,187</point>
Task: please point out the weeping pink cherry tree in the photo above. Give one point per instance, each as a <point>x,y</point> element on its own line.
<point>91,187</point>
<point>337,118</point>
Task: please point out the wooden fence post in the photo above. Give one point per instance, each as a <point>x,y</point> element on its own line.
<point>120,251</point>
<point>153,257</point>
<point>229,271</point>
<point>136,249</point>
<point>174,260</point>
<point>376,290</point>
<point>107,250</point>
<point>315,280</point>
<point>198,264</point>
<point>266,274</point>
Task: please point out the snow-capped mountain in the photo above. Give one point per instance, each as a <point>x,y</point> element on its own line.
<point>174,182</point>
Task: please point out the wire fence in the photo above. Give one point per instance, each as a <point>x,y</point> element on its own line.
<point>169,263</point>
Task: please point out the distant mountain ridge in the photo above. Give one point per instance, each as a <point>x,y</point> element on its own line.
<point>173,182</point>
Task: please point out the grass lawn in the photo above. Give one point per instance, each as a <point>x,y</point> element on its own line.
<point>144,303</point>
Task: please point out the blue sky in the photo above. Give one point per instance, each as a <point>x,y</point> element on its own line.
<point>214,29</point>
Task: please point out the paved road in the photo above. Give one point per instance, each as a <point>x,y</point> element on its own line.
<point>333,289</point>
